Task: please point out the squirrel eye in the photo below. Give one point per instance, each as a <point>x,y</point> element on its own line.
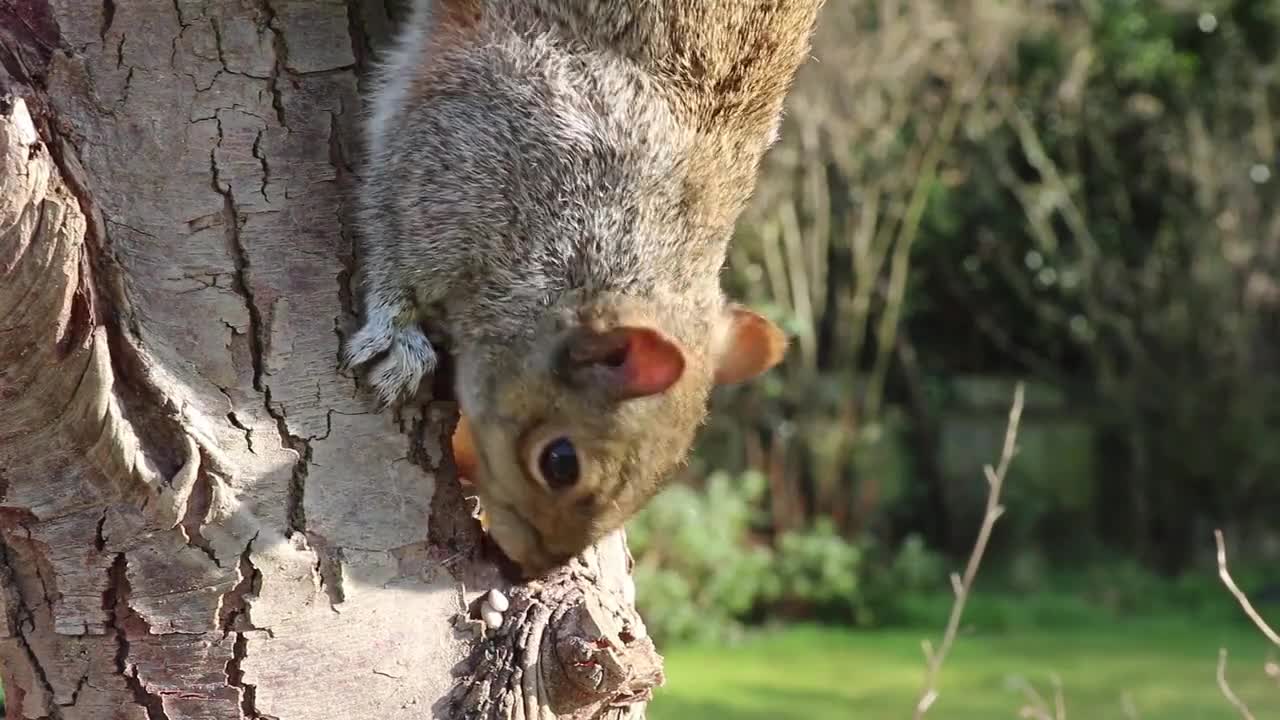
<point>558,464</point>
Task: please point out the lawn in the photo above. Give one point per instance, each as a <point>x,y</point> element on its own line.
<point>810,673</point>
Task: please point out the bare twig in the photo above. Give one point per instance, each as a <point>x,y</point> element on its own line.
<point>1059,701</point>
<point>1037,708</point>
<point>1225,575</point>
<point>1227,692</point>
<point>1128,707</point>
<point>995,480</point>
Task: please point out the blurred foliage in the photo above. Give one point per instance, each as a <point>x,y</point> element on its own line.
<point>1117,233</point>
<point>702,569</point>
<point>703,572</point>
<point>817,570</point>
<point>914,574</point>
<point>1076,194</point>
<point>1084,195</point>
<point>697,571</point>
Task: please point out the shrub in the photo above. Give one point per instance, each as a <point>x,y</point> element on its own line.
<point>901,587</point>
<point>697,574</point>
<point>817,573</point>
<point>700,574</point>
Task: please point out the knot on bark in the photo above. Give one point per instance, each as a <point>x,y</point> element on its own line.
<point>568,648</point>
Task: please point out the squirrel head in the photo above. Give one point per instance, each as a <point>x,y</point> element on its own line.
<point>566,442</point>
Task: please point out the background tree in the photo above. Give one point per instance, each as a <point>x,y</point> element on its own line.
<point>1082,195</point>
<point>199,518</point>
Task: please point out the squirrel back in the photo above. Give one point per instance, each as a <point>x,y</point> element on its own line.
<point>553,184</point>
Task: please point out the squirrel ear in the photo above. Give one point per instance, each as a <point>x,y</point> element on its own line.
<point>464,451</point>
<point>752,345</point>
<point>637,361</point>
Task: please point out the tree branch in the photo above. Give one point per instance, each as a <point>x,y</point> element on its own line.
<point>1227,692</point>
<point>963,586</point>
<point>1225,575</point>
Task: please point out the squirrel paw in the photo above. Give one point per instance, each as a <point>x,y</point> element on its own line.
<point>409,356</point>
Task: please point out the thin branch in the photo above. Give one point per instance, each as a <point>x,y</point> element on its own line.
<point>1225,575</point>
<point>995,479</point>
<point>1227,692</point>
<point>1127,705</point>
<point>1036,708</point>
<point>1059,700</point>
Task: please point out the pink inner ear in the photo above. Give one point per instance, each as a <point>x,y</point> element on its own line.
<point>652,363</point>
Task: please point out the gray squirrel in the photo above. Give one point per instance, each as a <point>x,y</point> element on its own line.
<point>553,184</point>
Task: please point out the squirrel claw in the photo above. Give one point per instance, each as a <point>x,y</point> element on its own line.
<point>373,338</point>
<point>409,356</point>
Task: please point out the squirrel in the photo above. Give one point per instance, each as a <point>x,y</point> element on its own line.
<point>553,185</point>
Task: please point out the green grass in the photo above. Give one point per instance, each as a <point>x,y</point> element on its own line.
<point>813,673</point>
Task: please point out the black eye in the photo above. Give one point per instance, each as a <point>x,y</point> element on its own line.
<point>559,464</point>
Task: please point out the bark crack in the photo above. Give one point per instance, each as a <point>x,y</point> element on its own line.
<point>240,258</point>
<point>248,431</point>
<point>177,11</point>
<point>281,57</point>
<point>234,612</point>
<point>115,600</point>
<point>128,85</point>
<point>295,506</point>
<point>347,248</point>
<point>359,34</point>
<point>75,694</point>
<point>197,511</point>
<point>117,223</point>
<point>99,535</point>
<point>38,566</point>
<point>24,623</point>
<point>37,669</point>
<point>328,569</point>
<point>231,414</point>
<point>258,338</point>
<point>216,25</point>
<point>235,678</point>
<point>266,169</point>
<point>108,17</point>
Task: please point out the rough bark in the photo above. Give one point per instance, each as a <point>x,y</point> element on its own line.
<point>199,516</point>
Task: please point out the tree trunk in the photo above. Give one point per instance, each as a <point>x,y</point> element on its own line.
<point>199,517</point>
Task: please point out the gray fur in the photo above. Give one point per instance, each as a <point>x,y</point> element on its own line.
<point>561,159</point>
